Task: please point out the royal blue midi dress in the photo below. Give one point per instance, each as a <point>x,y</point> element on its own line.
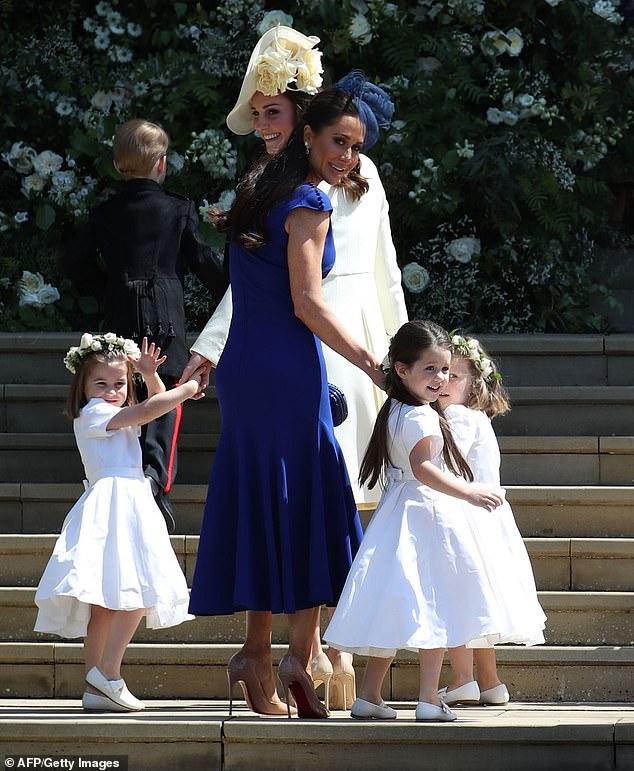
<point>280,527</point>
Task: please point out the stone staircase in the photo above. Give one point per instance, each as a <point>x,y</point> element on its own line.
<point>567,465</point>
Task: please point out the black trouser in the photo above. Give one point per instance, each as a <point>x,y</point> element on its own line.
<point>158,441</point>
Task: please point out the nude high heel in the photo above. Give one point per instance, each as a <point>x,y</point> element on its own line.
<point>321,672</point>
<point>295,680</point>
<point>241,669</point>
<point>343,683</point>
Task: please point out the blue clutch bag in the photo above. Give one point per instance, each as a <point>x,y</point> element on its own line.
<point>338,404</point>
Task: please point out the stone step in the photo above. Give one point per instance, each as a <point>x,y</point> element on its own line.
<point>540,511</point>
<point>526,460</point>
<point>543,673</point>
<point>574,618</point>
<point>536,410</point>
<point>524,359</point>
<point>199,735</point>
<point>559,564</point>
<point>36,408</point>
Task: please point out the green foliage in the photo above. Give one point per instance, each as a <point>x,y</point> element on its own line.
<point>512,128</point>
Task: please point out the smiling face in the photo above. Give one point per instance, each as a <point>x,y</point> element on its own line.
<point>460,382</point>
<point>427,377</point>
<point>274,118</point>
<point>334,151</point>
<point>107,380</point>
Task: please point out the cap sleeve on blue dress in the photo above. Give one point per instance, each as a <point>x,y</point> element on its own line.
<point>309,197</point>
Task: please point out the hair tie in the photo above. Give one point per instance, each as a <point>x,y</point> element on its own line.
<point>375,106</point>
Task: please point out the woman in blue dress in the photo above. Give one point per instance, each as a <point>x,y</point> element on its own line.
<point>280,525</point>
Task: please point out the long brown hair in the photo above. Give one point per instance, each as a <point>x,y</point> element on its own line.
<point>408,345</point>
<point>76,398</point>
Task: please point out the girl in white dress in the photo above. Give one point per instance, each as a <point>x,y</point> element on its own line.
<point>418,581</point>
<point>113,562</point>
<point>474,395</point>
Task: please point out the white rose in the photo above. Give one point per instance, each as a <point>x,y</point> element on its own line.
<point>456,340</point>
<point>495,116</point>
<point>101,101</point>
<point>34,183</point>
<point>360,29</point>
<point>415,277</point>
<point>309,71</point>
<point>493,43</point>
<point>20,157</point>
<point>32,282</point>
<point>110,338</point>
<point>473,344</point>
<point>131,349</point>
<point>515,41</point>
<point>30,298</point>
<point>95,345</point>
<point>274,19</point>
<point>463,249</point>
<point>47,295</point>
<point>86,340</point>
<point>47,162</point>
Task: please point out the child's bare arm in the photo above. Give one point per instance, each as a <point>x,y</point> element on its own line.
<point>155,406</point>
<point>147,365</point>
<point>429,474</point>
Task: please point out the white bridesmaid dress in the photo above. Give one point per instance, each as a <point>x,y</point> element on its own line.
<point>114,549</point>
<point>420,578</point>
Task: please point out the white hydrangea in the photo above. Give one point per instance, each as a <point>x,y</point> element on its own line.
<point>274,19</point>
<point>360,29</point>
<point>607,10</point>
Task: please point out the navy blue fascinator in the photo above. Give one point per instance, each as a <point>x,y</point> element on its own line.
<point>375,106</point>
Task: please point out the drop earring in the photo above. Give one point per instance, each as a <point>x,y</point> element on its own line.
<point>307,148</point>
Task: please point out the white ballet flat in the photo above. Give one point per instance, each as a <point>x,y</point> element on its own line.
<point>469,693</point>
<point>95,702</point>
<point>116,690</point>
<point>367,710</point>
<point>498,696</point>
<point>433,713</point>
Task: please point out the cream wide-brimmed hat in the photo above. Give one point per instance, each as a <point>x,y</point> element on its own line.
<point>283,59</point>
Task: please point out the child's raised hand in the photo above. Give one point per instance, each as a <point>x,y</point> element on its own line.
<point>484,497</point>
<point>150,359</point>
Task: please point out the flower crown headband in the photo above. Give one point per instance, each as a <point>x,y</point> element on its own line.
<point>469,348</point>
<point>286,65</point>
<point>105,344</point>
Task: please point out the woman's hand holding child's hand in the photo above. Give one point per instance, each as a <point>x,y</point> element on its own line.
<point>150,359</point>
<point>480,495</point>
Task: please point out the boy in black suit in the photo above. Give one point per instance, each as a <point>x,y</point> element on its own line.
<point>147,238</point>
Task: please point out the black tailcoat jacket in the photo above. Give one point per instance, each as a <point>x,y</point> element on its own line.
<point>148,238</point>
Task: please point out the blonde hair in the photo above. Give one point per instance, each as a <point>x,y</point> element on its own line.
<point>487,394</point>
<point>138,145</point>
<point>76,398</point>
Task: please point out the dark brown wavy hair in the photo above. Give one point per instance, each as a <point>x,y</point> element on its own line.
<point>408,345</point>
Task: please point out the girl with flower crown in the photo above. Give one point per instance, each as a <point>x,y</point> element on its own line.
<point>113,562</point>
<point>363,288</point>
<point>473,396</point>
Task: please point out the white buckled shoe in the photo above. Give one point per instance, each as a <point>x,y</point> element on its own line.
<point>116,690</point>
<point>469,693</point>
<point>495,697</point>
<point>367,710</point>
<point>433,713</point>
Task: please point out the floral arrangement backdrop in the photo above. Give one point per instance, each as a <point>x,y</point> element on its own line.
<point>511,144</point>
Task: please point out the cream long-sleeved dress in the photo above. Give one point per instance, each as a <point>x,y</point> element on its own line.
<point>364,291</point>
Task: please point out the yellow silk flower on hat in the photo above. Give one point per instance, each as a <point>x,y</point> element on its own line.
<point>281,68</point>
